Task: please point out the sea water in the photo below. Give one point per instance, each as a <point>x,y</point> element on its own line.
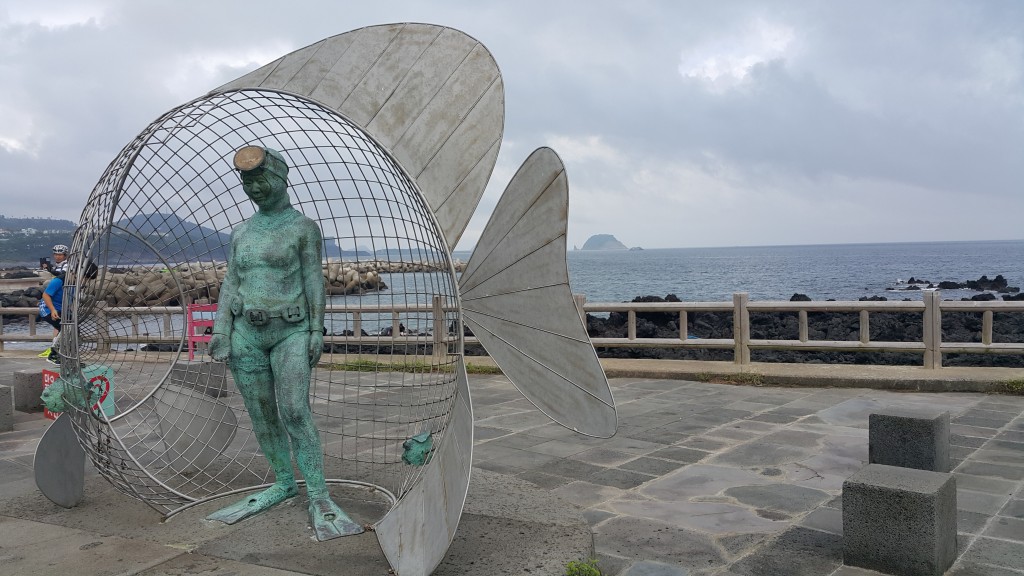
<point>822,272</point>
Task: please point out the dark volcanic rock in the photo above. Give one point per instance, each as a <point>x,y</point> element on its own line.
<point>985,297</point>
<point>18,274</point>
<point>984,283</point>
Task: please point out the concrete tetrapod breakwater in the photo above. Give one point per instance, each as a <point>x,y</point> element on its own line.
<point>159,286</point>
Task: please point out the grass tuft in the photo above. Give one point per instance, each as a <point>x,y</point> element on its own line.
<point>582,568</point>
<point>741,378</point>
<point>409,367</point>
<point>1015,387</point>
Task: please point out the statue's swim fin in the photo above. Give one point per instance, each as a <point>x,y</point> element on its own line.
<point>330,521</point>
<point>253,505</point>
<point>516,299</point>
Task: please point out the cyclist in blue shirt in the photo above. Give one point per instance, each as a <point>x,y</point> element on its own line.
<point>49,311</point>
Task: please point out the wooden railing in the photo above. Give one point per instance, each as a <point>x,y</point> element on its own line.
<point>931,308</point>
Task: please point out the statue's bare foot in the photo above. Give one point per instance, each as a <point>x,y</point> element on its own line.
<point>255,504</point>
<point>329,521</point>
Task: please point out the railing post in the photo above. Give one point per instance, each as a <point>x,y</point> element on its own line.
<point>102,328</point>
<point>741,328</point>
<point>357,324</point>
<point>440,350</point>
<point>2,332</point>
<point>865,327</point>
<point>683,335</point>
<point>986,327</point>
<point>580,300</point>
<point>631,325</point>
<point>932,330</point>
<point>803,325</point>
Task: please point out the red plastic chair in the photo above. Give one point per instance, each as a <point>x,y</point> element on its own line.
<point>199,318</point>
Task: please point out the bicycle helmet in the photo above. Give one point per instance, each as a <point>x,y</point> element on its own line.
<point>60,249</point>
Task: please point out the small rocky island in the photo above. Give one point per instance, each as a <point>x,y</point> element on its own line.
<point>603,242</point>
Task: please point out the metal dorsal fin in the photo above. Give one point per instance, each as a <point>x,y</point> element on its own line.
<point>516,299</point>
<point>431,95</point>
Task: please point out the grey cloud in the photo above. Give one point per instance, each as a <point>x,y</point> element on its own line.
<point>918,95</point>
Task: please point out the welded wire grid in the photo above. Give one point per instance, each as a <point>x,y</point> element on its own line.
<point>157,226</point>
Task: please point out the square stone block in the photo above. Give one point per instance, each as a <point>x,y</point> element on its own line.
<point>900,520</point>
<point>911,438</point>
<point>6,409</point>
<point>28,389</point>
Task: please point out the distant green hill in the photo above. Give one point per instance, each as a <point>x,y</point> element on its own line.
<point>173,238</point>
<point>27,250</point>
<point>18,248</point>
<point>15,224</point>
<point>603,242</point>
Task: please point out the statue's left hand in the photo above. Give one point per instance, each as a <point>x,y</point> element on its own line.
<point>220,347</point>
<point>316,347</point>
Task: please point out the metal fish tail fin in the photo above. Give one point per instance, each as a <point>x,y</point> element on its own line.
<point>416,533</point>
<point>517,301</point>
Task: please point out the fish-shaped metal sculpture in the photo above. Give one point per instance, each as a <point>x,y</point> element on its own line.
<point>392,133</point>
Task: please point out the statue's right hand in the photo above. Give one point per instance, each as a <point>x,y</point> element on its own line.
<point>220,347</point>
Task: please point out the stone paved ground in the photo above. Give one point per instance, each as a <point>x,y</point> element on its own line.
<point>714,479</point>
<point>706,479</point>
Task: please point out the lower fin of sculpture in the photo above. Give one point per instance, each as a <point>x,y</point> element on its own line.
<point>330,521</point>
<point>254,504</point>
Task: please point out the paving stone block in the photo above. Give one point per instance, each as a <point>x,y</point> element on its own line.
<point>205,377</point>
<point>648,568</point>
<point>900,520</point>
<point>994,552</point>
<point>6,409</point>
<point>911,438</point>
<point>796,552</point>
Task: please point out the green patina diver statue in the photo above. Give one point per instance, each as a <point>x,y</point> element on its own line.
<point>269,328</point>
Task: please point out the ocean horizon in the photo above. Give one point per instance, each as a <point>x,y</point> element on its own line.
<point>776,272</point>
<point>820,271</point>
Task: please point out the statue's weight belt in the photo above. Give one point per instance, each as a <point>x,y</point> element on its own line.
<point>261,317</point>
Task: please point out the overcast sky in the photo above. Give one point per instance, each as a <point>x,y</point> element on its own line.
<point>680,123</point>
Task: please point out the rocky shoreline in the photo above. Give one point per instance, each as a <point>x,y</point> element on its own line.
<point>154,287</point>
